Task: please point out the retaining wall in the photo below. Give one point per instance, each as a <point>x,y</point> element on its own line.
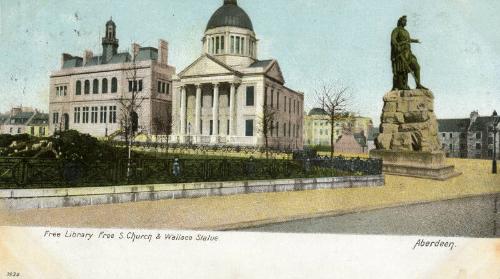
<point>15,199</point>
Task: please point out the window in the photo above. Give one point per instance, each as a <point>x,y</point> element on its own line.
<point>216,45</point>
<point>250,95</point>
<point>284,129</point>
<point>443,135</point>
<point>272,98</point>
<point>228,125</point>
<point>112,114</point>
<point>289,128</point>
<point>237,45</point>
<point>85,115</point>
<point>95,86</point>
<point>18,130</point>
<point>478,146</point>
<point>211,127</point>
<point>114,85</point>
<point>278,100</point>
<point>76,116</point>
<point>135,86</point>
<point>103,114</point>
<point>249,128</point>
<point>78,88</point>
<point>93,115</point>
<point>168,88</point>
<point>105,85</point>
<point>222,44</point>
<point>55,117</point>
<point>32,130</point>
<point>232,44</point>
<point>86,87</point>
<point>242,51</point>
<point>451,135</point>
<point>289,106</point>
<point>277,129</point>
<point>285,103</point>
<point>490,140</point>
<point>478,135</point>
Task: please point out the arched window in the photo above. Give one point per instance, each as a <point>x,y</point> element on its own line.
<point>86,86</point>
<point>114,85</point>
<point>78,88</point>
<point>105,85</point>
<point>95,86</point>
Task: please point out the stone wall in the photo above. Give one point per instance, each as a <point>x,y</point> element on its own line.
<point>69,197</point>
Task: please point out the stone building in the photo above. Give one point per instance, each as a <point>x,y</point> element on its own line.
<point>468,137</point>
<point>220,98</point>
<point>317,127</point>
<point>89,93</point>
<point>24,120</point>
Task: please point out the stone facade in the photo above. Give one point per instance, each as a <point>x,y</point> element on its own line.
<point>89,93</point>
<point>220,98</point>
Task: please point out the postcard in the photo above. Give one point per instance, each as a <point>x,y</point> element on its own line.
<point>249,139</point>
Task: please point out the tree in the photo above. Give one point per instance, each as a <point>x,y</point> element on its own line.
<point>267,125</point>
<point>163,128</point>
<point>334,100</point>
<point>130,104</point>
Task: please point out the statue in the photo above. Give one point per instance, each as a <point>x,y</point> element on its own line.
<point>403,60</point>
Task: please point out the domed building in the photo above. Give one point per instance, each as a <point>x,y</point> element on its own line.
<point>224,95</point>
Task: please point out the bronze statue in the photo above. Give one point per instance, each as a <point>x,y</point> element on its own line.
<point>403,60</point>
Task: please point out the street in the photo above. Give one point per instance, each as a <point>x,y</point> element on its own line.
<point>469,217</point>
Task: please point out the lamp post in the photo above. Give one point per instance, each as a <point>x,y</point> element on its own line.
<point>495,120</point>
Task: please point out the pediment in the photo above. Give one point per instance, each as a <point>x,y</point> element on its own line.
<point>206,66</point>
<point>274,72</point>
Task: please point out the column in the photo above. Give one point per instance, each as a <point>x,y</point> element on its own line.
<point>232,99</point>
<point>183,110</point>
<point>197,110</point>
<point>215,113</point>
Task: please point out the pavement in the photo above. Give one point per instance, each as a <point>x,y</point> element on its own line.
<point>242,211</point>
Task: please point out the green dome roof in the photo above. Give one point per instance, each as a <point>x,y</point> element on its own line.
<point>317,111</point>
<point>230,14</point>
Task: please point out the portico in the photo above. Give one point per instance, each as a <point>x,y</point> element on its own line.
<point>211,102</point>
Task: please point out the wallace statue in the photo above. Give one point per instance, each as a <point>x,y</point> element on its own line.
<point>403,60</point>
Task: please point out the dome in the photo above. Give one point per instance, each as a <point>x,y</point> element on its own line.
<point>230,14</point>
<point>317,111</point>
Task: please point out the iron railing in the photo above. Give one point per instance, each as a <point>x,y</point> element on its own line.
<point>44,173</point>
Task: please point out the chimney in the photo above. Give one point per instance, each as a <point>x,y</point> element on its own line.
<point>163,52</point>
<point>87,56</point>
<point>135,50</point>
<point>14,111</point>
<point>64,58</point>
<point>473,116</point>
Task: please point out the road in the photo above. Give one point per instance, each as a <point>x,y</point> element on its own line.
<point>470,217</point>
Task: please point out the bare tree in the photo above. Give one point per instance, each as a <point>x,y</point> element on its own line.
<point>334,100</point>
<point>267,125</point>
<point>130,104</point>
<point>163,128</point>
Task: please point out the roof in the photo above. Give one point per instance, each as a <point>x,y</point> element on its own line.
<point>147,53</point>
<point>73,62</point>
<point>261,64</point>
<point>20,118</point>
<point>481,123</point>
<point>453,125</point>
<point>230,14</point>
<point>317,111</point>
<point>39,119</point>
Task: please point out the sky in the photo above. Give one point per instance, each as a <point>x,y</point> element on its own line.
<point>315,42</point>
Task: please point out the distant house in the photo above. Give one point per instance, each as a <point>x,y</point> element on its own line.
<point>17,120</point>
<point>38,125</point>
<point>468,137</point>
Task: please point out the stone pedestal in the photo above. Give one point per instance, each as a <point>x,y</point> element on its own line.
<point>408,141</point>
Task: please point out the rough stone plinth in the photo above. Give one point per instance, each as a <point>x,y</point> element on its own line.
<point>408,141</point>
<point>408,122</point>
